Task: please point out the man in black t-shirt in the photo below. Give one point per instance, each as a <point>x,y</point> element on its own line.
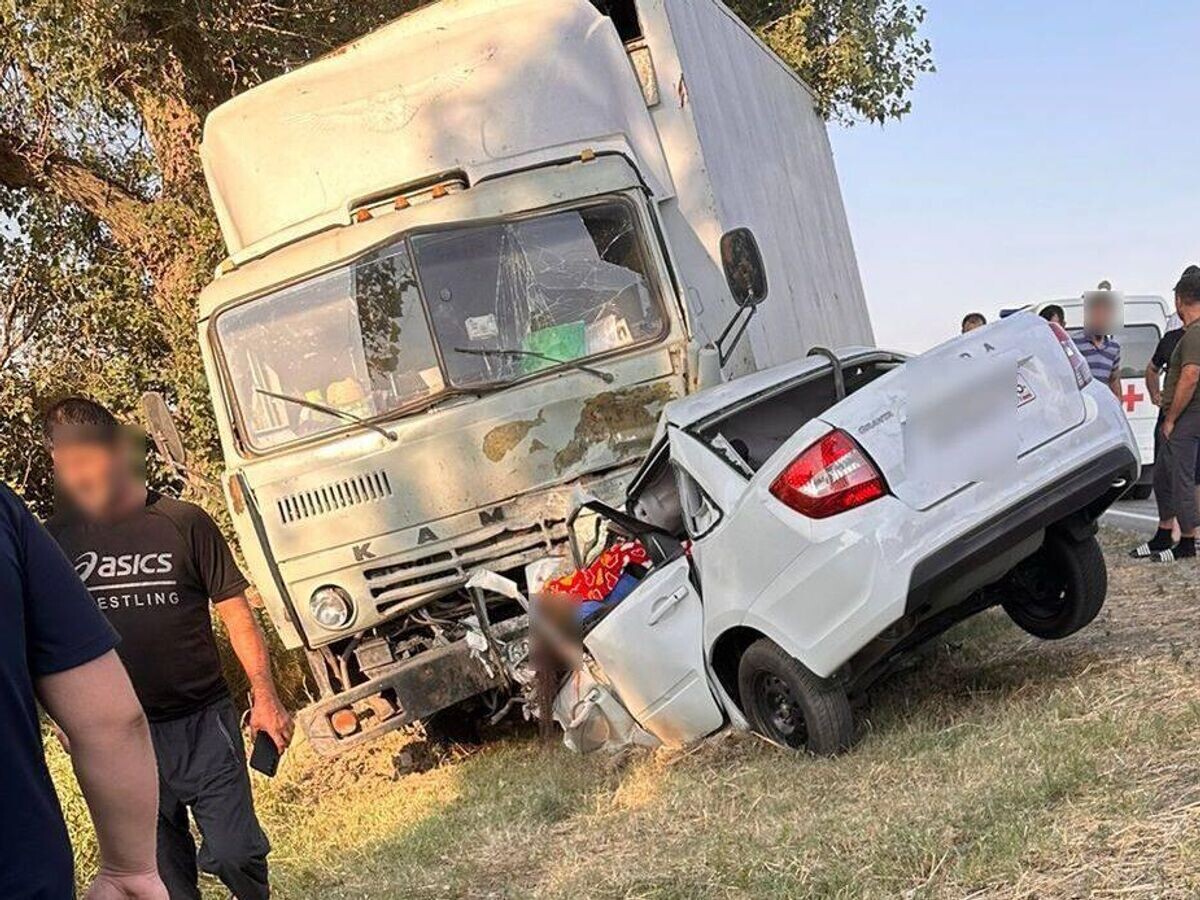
<point>1157,368</point>
<point>154,565</point>
<point>57,648</point>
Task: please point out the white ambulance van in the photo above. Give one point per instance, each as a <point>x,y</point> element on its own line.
<point>1147,318</point>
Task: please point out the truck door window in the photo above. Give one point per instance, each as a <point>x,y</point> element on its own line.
<point>562,286</point>
<point>355,339</point>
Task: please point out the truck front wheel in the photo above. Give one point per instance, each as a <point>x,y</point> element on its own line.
<point>1059,589</point>
<point>789,705</point>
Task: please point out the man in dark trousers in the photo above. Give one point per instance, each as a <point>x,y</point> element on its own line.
<point>56,647</point>
<point>154,565</point>
<point>1157,368</point>
<point>1175,466</point>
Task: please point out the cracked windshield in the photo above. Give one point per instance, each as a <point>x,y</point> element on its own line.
<point>505,300</point>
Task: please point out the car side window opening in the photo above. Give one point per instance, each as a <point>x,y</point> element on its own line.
<point>700,514</point>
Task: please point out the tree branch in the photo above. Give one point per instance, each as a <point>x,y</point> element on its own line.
<point>30,168</point>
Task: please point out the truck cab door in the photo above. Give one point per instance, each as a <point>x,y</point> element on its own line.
<point>650,648</point>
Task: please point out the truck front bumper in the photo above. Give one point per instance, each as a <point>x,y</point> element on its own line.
<point>413,689</point>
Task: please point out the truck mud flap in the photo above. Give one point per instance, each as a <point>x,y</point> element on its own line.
<point>407,692</point>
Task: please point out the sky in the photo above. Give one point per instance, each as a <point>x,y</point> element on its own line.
<point>1057,145</point>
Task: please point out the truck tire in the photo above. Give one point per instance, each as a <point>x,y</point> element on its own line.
<point>1059,589</point>
<point>789,705</point>
<point>458,725</point>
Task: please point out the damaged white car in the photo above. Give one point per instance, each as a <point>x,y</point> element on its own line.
<point>806,525</point>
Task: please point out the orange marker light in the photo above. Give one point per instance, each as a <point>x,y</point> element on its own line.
<point>344,722</point>
<point>363,215</point>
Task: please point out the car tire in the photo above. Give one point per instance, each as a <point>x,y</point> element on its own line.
<point>789,705</point>
<point>1059,589</point>
<point>1141,491</point>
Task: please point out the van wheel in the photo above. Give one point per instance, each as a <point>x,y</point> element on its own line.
<point>789,705</point>
<point>1059,589</point>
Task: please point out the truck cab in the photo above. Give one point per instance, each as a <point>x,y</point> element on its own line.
<point>471,258</point>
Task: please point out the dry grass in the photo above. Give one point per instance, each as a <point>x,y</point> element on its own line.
<point>997,766</point>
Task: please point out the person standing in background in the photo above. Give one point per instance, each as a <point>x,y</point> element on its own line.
<point>1175,465</point>
<point>1155,369</point>
<point>971,321</point>
<point>1054,313</point>
<point>154,565</point>
<point>1095,341</point>
<point>56,646</point>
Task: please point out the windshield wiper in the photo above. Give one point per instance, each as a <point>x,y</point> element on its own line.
<point>606,377</point>
<point>329,411</point>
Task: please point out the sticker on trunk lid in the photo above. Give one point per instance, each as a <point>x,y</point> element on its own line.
<point>1025,393</point>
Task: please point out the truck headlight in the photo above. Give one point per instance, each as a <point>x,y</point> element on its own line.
<point>331,607</point>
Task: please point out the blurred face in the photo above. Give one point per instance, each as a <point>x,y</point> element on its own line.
<point>971,325</point>
<point>94,476</point>
<point>1098,317</point>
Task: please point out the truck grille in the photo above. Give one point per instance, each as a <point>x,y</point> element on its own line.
<point>442,569</point>
<point>334,496</point>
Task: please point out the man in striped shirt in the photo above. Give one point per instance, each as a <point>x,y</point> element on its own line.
<point>1102,352</point>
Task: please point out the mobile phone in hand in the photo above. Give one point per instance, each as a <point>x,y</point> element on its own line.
<point>265,755</point>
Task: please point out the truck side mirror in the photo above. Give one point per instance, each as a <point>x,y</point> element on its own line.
<point>744,270</point>
<point>747,280</point>
<point>160,423</point>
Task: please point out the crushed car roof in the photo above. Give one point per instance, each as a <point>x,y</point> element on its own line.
<point>699,406</point>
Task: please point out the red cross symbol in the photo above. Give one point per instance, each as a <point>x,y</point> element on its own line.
<point>1132,397</point>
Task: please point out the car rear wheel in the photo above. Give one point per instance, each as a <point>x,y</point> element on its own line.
<point>1141,491</point>
<point>1059,589</point>
<point>789,705</point>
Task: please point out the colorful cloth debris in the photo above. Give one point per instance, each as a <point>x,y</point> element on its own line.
<point>597,581</point>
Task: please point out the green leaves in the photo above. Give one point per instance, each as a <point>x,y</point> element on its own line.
<point>862,58</point>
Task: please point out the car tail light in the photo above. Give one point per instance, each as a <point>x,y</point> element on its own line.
<point>831,476</point>
<point>1079,365</point>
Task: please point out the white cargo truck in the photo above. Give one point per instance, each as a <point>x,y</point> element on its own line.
<point>470,258</point>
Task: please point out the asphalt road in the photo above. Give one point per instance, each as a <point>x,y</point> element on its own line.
<point>1133,515</point>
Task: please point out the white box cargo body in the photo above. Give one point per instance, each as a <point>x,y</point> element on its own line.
<point>746,147</point>
<point>723,133</point>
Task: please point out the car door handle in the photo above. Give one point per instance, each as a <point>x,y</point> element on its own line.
<point>664,605</point>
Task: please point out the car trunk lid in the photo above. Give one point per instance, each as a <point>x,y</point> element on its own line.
<point>937,386</point>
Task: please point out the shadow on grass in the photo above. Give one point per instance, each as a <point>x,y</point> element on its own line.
<point>474,820</point>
